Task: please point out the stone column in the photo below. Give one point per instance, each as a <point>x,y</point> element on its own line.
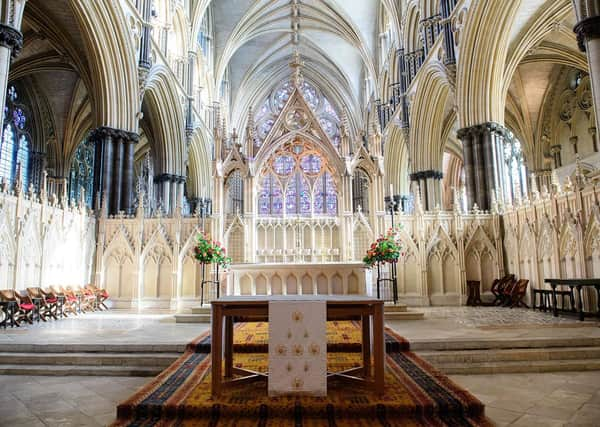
<point>447,6</point>
<point>573,140</point>
<point>483,162</point>
<point>11,39</point>
<point>145,61</point>
<point>113,168</point>
<point>555,151</point>
<point>429,182</point>
<point>594,135</point>
<point>588,38</point>
<point>189,122</point>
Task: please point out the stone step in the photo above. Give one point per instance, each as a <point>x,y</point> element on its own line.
<point>94,348</point>
<point>391,308</point>
<point>81,370</point>
<point>392,312</point>
<point>419,345</point>
<point>510,355</point>
<point>155,360</point>
<point>201,310</point>
<point>514,367</point>
<point>192,318</point>
<point>404,315</point>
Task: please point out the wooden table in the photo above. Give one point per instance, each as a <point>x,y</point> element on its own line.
<point>577,284</point>
<point>227,310</point>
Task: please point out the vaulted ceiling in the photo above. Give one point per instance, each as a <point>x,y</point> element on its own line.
<point>337,44</point>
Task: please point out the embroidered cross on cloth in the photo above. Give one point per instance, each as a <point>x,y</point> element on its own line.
<point>297,348</point>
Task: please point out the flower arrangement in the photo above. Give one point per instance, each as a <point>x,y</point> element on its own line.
<point>208,251</point>
<point>386,248</point>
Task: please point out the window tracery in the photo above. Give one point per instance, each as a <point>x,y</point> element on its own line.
<point>235,191</point>
<point>81,175</point>
<point>297,180</point>
<point>267,113</point>
<point>15,144</point>
<point>515,173</point>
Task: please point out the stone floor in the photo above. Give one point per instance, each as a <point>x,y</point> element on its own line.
<point>440,323</point>
<point>511,399</point>
<point>523,400</point>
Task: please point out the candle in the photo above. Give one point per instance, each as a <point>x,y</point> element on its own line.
<point>391,190</point>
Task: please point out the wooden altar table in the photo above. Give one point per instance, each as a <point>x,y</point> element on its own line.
<point>577,284</point>
<point>226,310</point>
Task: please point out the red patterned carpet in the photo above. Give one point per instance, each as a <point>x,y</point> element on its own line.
<point>415,393</point>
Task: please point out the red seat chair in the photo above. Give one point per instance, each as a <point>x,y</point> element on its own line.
<point>101,296</point>
<point>25,306</point>
<point>47,305</point>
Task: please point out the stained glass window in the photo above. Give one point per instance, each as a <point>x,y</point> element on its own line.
<point>81,176</point>
<point>235,186</point>
<point>360,191</point>
<point>311,164</point>
<point>15,146</point>
<point>331,195</point>
<point>308,182</point>
<point>283,165</point>
<point>515,172</point>
<point>270,109</point>
<point>7,153</point>
<point>270,199</point>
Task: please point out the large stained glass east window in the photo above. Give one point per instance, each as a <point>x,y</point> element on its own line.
<point>297,180</point>
<point>15,144</point>
<point>268,112</point>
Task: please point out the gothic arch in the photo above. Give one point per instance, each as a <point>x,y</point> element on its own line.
<point>480,73</point>
<point>111,47</point>
<point>167,121</point>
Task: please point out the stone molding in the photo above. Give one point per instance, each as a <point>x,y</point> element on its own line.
<point>166,177</point>
<point>492,127</point>
<point>417,176</point>
<point>11,39</point>
<point>587,29</point>
<point>104,132</point>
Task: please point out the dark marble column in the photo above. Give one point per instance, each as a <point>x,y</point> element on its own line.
<point>11,43</point>
<point>145,61</point>
<point>447,6</point>
<point>484,163</point>
<point>555,150</point>
<point>429,182</point>
<point>113,168</point>
<point>588,38</point>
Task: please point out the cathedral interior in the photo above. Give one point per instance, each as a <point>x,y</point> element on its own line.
<point>295,133</point>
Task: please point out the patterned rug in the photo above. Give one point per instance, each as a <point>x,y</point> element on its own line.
<point>415,393</point>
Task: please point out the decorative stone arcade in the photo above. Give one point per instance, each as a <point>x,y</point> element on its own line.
<point>286,195</point>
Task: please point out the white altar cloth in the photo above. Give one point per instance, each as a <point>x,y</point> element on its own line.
<point>297,347</point>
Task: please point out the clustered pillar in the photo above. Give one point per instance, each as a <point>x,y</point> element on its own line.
<point>114,163</point>
<point>447,6</point>
<point>145,61</point>
<point>11,40</point>
<point>169,189</point>
<point>430,187</point>
<point>588,38</point>
<point>483,157</point>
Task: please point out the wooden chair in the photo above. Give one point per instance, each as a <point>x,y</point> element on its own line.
<point>499,287</point>
<point>70,301</point>
<point>25,306</point>
<point>47,306</point>
<point>519,291</point>
<point>101,296</point>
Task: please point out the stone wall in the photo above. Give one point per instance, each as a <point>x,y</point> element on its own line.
<point>42,243</point>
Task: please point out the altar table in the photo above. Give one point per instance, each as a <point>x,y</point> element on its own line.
<point>226,310</point>
<point>577,284</point>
